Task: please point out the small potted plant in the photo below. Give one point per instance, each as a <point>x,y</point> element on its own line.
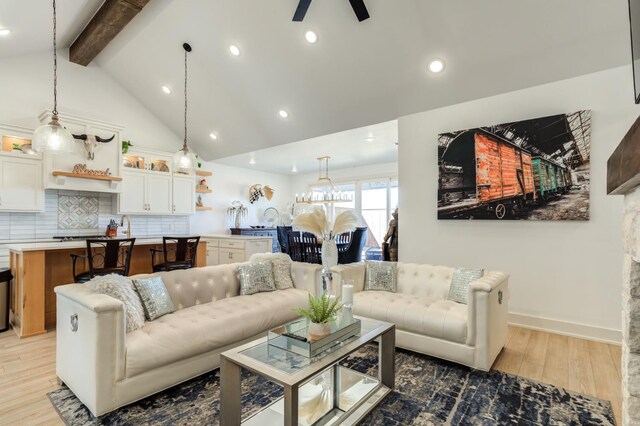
<point>322,310</point>
<point>125,146</point>
<point>17,147</point>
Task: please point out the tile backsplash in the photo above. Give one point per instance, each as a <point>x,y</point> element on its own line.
<point>77,212</point>
<point>24,226</point>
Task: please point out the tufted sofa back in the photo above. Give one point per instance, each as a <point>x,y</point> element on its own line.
<point>432,281</point>
<point>189,287</point>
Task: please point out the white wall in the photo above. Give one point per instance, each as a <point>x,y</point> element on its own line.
<point>566,272</point>
<point>26,89</point>
<point>232,183</point>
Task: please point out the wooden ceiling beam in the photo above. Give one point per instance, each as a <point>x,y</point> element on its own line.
<point>105,25</point>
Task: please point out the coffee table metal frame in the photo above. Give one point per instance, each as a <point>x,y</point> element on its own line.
<point>233,360</point>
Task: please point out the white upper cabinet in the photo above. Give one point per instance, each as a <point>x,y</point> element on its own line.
<point>132,199</point>
<point>21,184</point>
<point>21,188</point>
<point>149,185</point>
<point>159,198</point>
<point>183,195</point>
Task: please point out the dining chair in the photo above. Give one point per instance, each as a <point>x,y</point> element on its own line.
<point>105,256</point>
<point>178,253</point>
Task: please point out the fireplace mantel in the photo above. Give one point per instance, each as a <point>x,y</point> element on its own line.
<point>623,167</point>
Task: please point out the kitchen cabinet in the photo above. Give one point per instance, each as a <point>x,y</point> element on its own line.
<point>183,196</point>
<point>260,232</point>
<point>159,200</point>
<point>133,196</point>
<point>150,192</point>
<point>21,186</point>
<point>225,249</point>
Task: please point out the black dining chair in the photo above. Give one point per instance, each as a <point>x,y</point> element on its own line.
<point>294,245</point>
<point>353,252</point>
<point>311,248</point>
<point>105,257</point>
<point>178,253</point>
<point>283,237</point>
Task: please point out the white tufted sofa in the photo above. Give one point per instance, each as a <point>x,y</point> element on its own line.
<point>107,368</point>
<point>426,321</point>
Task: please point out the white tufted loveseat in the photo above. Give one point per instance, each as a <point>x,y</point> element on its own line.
<point>107,368</point>
<point>426,322</point>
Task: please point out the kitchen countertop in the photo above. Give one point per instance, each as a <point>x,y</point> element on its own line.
<point>66,245</point>
<point>51,244</point>
<point>235,237</point>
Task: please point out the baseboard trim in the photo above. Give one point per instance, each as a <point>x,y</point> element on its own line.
<point>589,332</point>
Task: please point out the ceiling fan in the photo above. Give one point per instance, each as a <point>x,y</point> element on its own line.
<point>358,7</point>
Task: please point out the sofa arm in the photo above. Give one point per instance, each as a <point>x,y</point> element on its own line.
<point>488,306</point>
<point>306,276</point>
<point>90,345</point>
<point>349,272</point>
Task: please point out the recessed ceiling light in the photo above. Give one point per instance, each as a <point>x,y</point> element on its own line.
<point>166,89</point>
<point>252,161</point>
<point>235,50</point>
<point>213,136</point>
<point>436,66</point>
<point>294,169</point>
<point>370,139</point>
<point>311,36</point>
<point>4,32</point>
<point>283,113</point>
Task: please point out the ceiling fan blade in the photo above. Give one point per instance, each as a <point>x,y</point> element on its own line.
<point>360,9</point>
<point>301,10</point>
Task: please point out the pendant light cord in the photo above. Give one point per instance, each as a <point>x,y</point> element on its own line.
<point>55,63</point>
<point>185,98</point>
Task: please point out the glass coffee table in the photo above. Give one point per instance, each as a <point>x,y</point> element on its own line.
<point>317,390</point>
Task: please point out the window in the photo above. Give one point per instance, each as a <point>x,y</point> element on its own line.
<point>373,201</point>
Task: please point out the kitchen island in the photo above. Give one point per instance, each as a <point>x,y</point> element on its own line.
<point>38,267</point>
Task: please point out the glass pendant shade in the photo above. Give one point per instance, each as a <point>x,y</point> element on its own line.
<point>52,137</point>
<point>183,159</point>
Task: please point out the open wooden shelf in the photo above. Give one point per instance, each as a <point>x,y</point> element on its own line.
<point>203,189</point>
<point>203,208</point>
<point>83,176</point>
<point>203,173</point>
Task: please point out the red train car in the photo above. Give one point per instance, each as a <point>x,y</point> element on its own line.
<point>482,171</point>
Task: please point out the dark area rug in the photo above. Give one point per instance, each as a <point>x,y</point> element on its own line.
<point>428,391</point>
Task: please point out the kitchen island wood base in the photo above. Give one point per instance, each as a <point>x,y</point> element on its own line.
<point>36,272</point>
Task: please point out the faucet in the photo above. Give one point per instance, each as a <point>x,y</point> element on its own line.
<point>128,231</point>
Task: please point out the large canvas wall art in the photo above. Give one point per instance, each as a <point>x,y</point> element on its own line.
<point>534,169</point>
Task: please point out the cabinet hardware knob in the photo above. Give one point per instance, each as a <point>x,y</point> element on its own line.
<point>74,323</point>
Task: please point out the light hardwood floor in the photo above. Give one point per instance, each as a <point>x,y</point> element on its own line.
<point>27,370</point>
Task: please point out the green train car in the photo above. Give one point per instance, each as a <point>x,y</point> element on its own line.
<point>549,177</point>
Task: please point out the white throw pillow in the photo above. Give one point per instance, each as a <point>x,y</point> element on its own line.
<point>281,264</point>
<point>121,288</point>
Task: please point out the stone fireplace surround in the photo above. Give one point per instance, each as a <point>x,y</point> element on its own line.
<point>623,178</point>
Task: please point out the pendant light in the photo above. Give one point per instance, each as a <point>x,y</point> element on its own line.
<point>53,137</point>
<point>183,159</point>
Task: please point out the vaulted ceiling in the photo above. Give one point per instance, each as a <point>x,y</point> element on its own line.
<point>357,74</point>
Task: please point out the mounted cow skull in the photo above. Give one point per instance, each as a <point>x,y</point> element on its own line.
<point>90,142</point>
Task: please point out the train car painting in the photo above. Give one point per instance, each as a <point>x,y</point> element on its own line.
<point>485,173</point>
<point>528,170</point>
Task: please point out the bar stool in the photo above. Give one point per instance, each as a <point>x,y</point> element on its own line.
<point>105,257</point>
<point>179,253</point>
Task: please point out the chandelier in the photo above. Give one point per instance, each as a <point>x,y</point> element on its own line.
<point>332,195</point>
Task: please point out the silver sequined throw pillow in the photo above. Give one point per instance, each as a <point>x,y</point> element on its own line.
<point>381,276</point>
<point>256,278</point>
<point>121,288</point>
<point>155,297</point>
<point>460,281</point>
